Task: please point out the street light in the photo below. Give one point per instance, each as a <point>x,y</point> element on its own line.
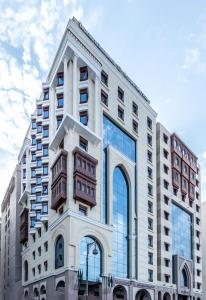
<point>94,252</point>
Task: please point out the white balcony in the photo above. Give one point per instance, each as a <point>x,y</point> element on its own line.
<point>32,213</point>
<point>24,197</point>
<point>32,230</point>
<point>44,218</point>
<point>38,224</point>
<point>38,206</point>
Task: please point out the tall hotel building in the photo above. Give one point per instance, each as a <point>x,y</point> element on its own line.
<point>106,193</point>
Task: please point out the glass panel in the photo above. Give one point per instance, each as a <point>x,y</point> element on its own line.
<point>182,232</point>
<point>94,264</point>
<point>120,223</point>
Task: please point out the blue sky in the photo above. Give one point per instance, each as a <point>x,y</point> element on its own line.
<point>160,44</point>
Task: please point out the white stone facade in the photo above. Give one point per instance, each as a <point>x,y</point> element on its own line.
<point>133,115</point>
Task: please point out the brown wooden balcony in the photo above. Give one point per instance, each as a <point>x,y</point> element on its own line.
<point>192,177</point>
<point>24,223</point>
<point>84,177</point>
<point>176,162</point>
<point>59,180</point>
<point>176,178</point>
<point>184,185</point>
<point>185,170</point>
<point>192,192</point>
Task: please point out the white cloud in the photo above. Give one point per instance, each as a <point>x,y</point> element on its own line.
<point>191,58</point>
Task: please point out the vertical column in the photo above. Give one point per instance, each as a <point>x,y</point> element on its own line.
<point>74,86</point>
<point>65,85</point>
<point>96,103</point>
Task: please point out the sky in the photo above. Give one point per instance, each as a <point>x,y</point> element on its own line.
<point>160,44</point>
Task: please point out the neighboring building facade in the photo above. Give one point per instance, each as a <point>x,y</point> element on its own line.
<point>11,266</point>
<point>204,248</point>
<point>89,163</point>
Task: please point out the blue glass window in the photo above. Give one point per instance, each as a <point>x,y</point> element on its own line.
<point>45,169</point>
<point>33,125</point>
<point>94,269</point>
<point>83,96</point>
<point>60,79</point>
<point>60,101</point>
<point>59,252</point>
<point>45,208</point>
<point>182,232</point>
<point>45,150</point>
<point>33,220</point>
<point>120,223</point>
<point>84,117</point>
<point>46,113</point>
<point>39,127</point>
<point>45,131</point>
<point>121,141</point>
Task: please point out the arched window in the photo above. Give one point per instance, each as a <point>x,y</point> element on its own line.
<point>119,292</point>
<point>120,243</point>
<point>60,287</point>
<point>26,270</point>
<point>36,292</point>
<point>42,290</point>
<point>59,252</point>
<point>143,295</point>
<point>184,279</point>
<point>90,245</point>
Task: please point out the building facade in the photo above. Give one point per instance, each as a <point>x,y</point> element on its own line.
<point>93,188</point>
<point>11,266</point>
<point>204,248</point>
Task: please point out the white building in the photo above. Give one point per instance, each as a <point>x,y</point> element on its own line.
<point>204,248</point>
<point>89,164</point>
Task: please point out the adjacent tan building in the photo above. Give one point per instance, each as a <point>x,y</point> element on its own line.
<point>99,184</point>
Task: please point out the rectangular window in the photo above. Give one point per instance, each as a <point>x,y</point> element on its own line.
<point>149,172</point>
<point>83,73</point>
<point>166,184</point>
<point>167,262</point>
<point>39,145</point>
<point>150,258</point>
<point>59,120</point>
<point>38,179</point>
<point>120,94</point>
<point>45,150</point>
<point>167,278</point>
<point>39,110</point>
<point>149,156</point>
<point>83,117</point>
<point>150,224</point>
<point>33,173</point>
<point>150,189</point>
<point>166,169</point>
<point>167,246</point>
<point>166,230</point>
<point>38,197</point>
<point>46,94</point>
<point>135,126</point>
<point>135,108</point>
<point>33,124</point>
<point>39,128</point>
<point>45,131</point>
<point>33,140</point>
<point>38,162</point>
<point>104,98</point>
<point>45,208</point>
<point>150,207</point>
<point>121,113</point>
<point>166,215</point>
<point>45,266</point>
<point>104,78</point>
<point>150,275</point>
<point>46,246</point>
<point>45,169</point>
<point>83,96</point>
<point>165,153</point>
<point>46,112</point>
<point>60,79</point>
<point>149,139</point>
<point>83,143</point>
<point>33,156</point>
<point>45,188</point>
<point>24,173</point>
<point>33,188</point>
<point>149,123</point>
<point>60,100</point>
<point>82,210</point>
<point>165,138</point>
<point>150,241</point>
<point>166,200</point>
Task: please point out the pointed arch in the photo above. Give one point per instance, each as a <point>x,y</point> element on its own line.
<point>185,276</point>
<point>26,271</point>
<point>59,252</point>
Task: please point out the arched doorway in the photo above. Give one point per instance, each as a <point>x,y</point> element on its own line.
<point>60,289</point>
<point>119,292</point>
<point>143,295</point>
<point>166,296</point>
<point>91,262</point>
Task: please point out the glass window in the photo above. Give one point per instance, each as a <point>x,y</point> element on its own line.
<point>104,78</point>
<point>94,271</point>
<point>84,117</point>
<point>38,196</point>
<point>135,108</point>
<point>82,210</point>
<point>39,110</point>
<point>121,113</point>
<point>33,140</point>
<point>46,112</point>
<point>45,208</point>
<point>39,128</point>
<point>60,100</point>
<point>104,98</point>
<point>45,131</point>
<point>33,124</point>
<point>33,188</point>
<point>39,144</point>
<point>120,223</point>
<point>83,143</point>
<point>45,189</point>
<point>135,126</point>
<point>33,220</point>
<point>46,94</point>
<point>33,156</point>
<point>83,73</point>
<point>149,123</point>
<point>45,169</point>
<point>38,162</point>
<point>83,96</point>
<point>45,150</point>
<point>120,94</point>
<point>182,232</point>
<point>33,172</point>
<point>60,79</point>
<point>59,120</point>
<point>59,252</point>
<point>38,179</point>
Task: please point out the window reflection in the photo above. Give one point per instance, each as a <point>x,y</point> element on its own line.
<point>120,223</point>
<point>94,269</point>
<point>182,232</point>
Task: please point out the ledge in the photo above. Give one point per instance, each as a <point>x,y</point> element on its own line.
<point>23,197</point>
<point>70,123</point>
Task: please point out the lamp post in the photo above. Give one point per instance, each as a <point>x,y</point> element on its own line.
<point>95,252</point>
